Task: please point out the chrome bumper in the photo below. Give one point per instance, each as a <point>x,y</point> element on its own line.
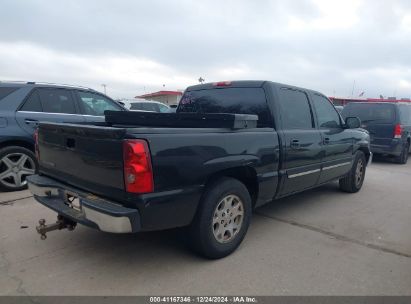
<point>93,212</point>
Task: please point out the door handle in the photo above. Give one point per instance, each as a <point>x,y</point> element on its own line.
<point>326,141</point>
<point>32,122</point>
<point>295,144</point>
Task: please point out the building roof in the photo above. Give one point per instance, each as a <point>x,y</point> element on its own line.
<point>161,93</point>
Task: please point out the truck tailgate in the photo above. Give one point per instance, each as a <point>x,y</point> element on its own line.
<point>88,157</point>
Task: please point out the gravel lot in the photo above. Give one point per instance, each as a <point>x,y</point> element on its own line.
<point>321,242</point>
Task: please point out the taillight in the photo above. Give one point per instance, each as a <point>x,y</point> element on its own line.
<point>222,84</point>
<point>138,173</point>
<point>36,144</point>
<point>398,131</point>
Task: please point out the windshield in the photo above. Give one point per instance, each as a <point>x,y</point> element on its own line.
<point>228,100</point>
<point>370,112</point>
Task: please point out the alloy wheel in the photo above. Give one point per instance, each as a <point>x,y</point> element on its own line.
<point>228,218</point>
<point>359,172</point>
<point>14,168</point>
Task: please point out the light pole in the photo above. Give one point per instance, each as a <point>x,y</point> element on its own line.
<point>104,86</point>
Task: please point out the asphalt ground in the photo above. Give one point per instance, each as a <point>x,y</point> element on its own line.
<point>320,242</point>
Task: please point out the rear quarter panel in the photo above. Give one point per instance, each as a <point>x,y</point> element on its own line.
<point>190,159</point>
<point>10,131</point>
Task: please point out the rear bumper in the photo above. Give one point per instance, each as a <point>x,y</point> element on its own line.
<point>390,147</point>
<point>95,212</point>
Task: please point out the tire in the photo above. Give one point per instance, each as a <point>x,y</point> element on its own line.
<point>16,163</point>
<point>354,180</point>
<point>214,233</point>
<point>403,158</point>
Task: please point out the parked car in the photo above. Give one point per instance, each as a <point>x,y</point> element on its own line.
<point>177,172</point>
<point>149,106</point>
<point>23,105</point>
<point>139,104</point>
<point>389,125</point>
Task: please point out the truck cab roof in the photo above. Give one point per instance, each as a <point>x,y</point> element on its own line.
<point>244,84</point>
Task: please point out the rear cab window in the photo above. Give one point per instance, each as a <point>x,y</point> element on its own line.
<point>371,112</point>
<point>228,100</point>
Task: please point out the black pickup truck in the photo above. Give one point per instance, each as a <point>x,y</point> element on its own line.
<point>197,167</point>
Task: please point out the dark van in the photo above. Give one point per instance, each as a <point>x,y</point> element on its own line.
<point>389,125</point>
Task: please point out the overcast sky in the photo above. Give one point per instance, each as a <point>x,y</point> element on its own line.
<point>139,46</point>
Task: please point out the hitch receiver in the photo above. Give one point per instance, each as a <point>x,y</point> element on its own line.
<point>61,223</point>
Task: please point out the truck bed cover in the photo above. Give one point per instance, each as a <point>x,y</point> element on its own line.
<point>181,120</point>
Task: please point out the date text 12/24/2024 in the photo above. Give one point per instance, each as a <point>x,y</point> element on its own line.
<point>203,299</point>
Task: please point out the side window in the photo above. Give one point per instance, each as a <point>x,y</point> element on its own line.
<point>326,113</point>
<point>295,109</point>
<point>145,106</point>
<point>149,106</point>
<point>96,104</point>
<point>33,103</point>
<point>405,114</point>
<point>136,106</point>
<point>57,101</point>
<point>163,108</point>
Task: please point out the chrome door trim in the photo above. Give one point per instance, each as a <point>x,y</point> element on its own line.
<point>336,166</point>
<point>304,173</point>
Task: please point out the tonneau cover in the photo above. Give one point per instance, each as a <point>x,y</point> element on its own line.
<point>181,120</point>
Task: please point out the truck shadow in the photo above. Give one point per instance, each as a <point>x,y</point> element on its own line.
<point>173,244</point>
<point>324,194</point>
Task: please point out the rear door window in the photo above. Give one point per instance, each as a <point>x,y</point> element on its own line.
<point>57,101</point>
<point>228,100</point>
<point>33,103</point>
<point>295,109</point>
<point>370,112</point>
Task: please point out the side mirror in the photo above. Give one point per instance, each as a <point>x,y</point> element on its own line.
<point>352,122</point>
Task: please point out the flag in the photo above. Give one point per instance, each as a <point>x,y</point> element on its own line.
<point>362,94</point>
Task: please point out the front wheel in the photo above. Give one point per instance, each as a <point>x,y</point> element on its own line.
<point>353,181</point>
<point>222,219</point>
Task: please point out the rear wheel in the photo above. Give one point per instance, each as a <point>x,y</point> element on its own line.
<point>403,158</point>
<point>353,181</point>
<point>16,163</point>
<point>222,219</point>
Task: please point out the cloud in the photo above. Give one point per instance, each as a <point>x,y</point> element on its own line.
<point>132,45</point>
<point>125,74</point>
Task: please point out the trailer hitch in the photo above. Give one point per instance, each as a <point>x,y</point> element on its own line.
<point>61,223</point>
